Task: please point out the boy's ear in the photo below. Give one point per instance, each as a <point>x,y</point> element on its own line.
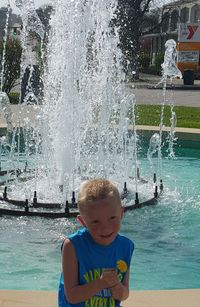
<point>81,220</point>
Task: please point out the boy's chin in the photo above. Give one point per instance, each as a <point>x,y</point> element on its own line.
<point>105,240</point>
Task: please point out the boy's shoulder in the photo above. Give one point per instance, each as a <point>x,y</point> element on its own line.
<point>125,240</point>
<point>77,234</point>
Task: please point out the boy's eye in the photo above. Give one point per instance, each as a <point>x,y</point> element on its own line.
<point>112,217</point>
<point>95,222</point>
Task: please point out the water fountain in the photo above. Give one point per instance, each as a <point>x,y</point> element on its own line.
<point>85,124</point>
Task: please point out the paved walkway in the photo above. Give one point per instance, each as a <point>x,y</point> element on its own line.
<point>163,298</point>
<point>22,114</point>
<point>180,95</point>
<point>187,98</point>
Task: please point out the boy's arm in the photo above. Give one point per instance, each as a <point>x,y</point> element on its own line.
<point>120,292</point>
<point>74,292</point>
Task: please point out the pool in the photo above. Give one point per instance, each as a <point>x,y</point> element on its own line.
<point>166,236</point>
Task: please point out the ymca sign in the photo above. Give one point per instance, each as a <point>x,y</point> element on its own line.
<point>189,32</point>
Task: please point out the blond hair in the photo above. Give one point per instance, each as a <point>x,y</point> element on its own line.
<point>95,190</point>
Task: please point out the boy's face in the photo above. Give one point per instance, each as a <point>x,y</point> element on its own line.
<point>102,218</point>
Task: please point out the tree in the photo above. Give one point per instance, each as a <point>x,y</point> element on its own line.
<point>131,16</point>
<point>12,63</point>
<point>44,13</point>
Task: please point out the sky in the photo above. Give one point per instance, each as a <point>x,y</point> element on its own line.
<point>41,2</point>
<point>37,3</point>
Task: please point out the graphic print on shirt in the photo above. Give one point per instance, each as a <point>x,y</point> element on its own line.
<point>104,298</point>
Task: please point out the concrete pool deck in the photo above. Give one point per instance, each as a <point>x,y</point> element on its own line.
<point>150,298</point>
<point>184,134</point>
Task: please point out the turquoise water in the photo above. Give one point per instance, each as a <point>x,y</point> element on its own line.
<point>166,236</point>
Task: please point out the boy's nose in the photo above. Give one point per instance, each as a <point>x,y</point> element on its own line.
<point>106,228</point>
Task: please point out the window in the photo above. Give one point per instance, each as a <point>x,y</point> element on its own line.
<point>195,14</point>
<point>174,20</point>
<point>185,14</point>
<point>165,22</point>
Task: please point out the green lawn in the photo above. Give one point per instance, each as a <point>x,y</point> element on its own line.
<point>187,117</point>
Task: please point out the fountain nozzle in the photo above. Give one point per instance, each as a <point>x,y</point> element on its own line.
<point>156,192</point>
<point>125,191</point>
<point>5,193</point>
<point>136,198</point>
<point>161,185</point>
<point>67,207</point>
<point>26,205</point>
<point>35,198</point>
<point>73,198</point>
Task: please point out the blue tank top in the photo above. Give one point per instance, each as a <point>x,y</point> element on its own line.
<point>92,259</point>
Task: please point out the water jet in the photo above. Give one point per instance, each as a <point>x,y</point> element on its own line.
<point>83,120</point>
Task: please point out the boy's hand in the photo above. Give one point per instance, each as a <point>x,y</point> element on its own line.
<point>117,291</point>
<point>109,278</point>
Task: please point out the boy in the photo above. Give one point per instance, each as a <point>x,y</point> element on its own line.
<point>96,259</point>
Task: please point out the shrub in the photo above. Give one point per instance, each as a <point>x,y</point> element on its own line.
<point>13,53</point>
<point>14,98</point>
<point>144,60</point>
<point>159,59</point>
<point>152,70</point>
